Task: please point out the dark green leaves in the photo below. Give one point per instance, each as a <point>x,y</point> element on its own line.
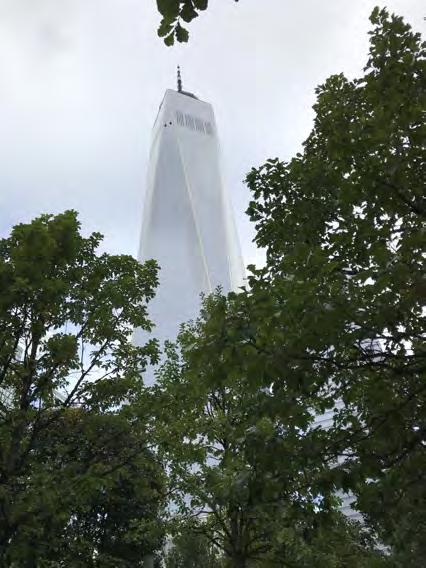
<point>188,13</point>
<point>234,428</point>
<point>343,228</point>
<point>181,34</point>
<point>201,4</point>
<point>173,13</point>
<point>66,367</point>
<point>165,29</point>
<point>334,324</point>
<point>169,8</point>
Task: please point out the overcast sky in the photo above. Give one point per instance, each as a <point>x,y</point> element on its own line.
<point>81,81</point>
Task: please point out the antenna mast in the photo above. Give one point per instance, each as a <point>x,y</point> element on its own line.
<point>179,80</point>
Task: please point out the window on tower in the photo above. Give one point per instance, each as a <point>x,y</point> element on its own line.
<point>179,118</point>
<point>199,125</point>
<point>189,121</point>
<point>194,123</point>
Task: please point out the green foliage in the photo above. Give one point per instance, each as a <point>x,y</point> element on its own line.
<point>174,13</point>
<point>246,470</point>
<point>77,475</point>
<point>334,322</point>
<point>119,521</point>
<point>343,228</point>
<point>191,549</point>
<point>93,496</point>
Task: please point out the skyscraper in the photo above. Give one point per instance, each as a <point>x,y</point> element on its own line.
<point>187,224</point>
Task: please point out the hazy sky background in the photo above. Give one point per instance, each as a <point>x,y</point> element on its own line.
<point>81,81</point>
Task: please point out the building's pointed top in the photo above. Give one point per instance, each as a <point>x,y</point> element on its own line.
<point>179,80</point>
<point>179,85</point>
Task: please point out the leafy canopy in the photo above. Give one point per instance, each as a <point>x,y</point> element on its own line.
<point>69,449</point>
<point>247,472</point>
<point>333,324</point>
<point>343,224</point>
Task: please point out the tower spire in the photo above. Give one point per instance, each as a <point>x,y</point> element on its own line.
<point>179,80</point>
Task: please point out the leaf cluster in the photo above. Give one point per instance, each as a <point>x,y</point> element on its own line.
<point>332,326</point>
<point>77,476</point>
<point>343,226</point>
<point>175,14</point>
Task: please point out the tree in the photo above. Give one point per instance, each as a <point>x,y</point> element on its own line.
<point>112,491</point>
<point>343,228</point>
<point>245,466</point>
<point>174,13</point>
<point>191,549</point>
<point>66,367</point>
<point>333,322</point>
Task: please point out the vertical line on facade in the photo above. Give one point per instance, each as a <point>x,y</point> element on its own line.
<point>149,193</point>
<point>226,212</point>
<point>194,216</point>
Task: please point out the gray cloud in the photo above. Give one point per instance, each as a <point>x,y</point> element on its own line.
<point>80,85</point>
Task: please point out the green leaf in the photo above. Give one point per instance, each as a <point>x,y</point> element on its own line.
<point>165,28</point>
<point>170,39</point>
<point>188,13</point>
<point>169,9</point>
<point>201,4</point>
<point>181,33</point>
